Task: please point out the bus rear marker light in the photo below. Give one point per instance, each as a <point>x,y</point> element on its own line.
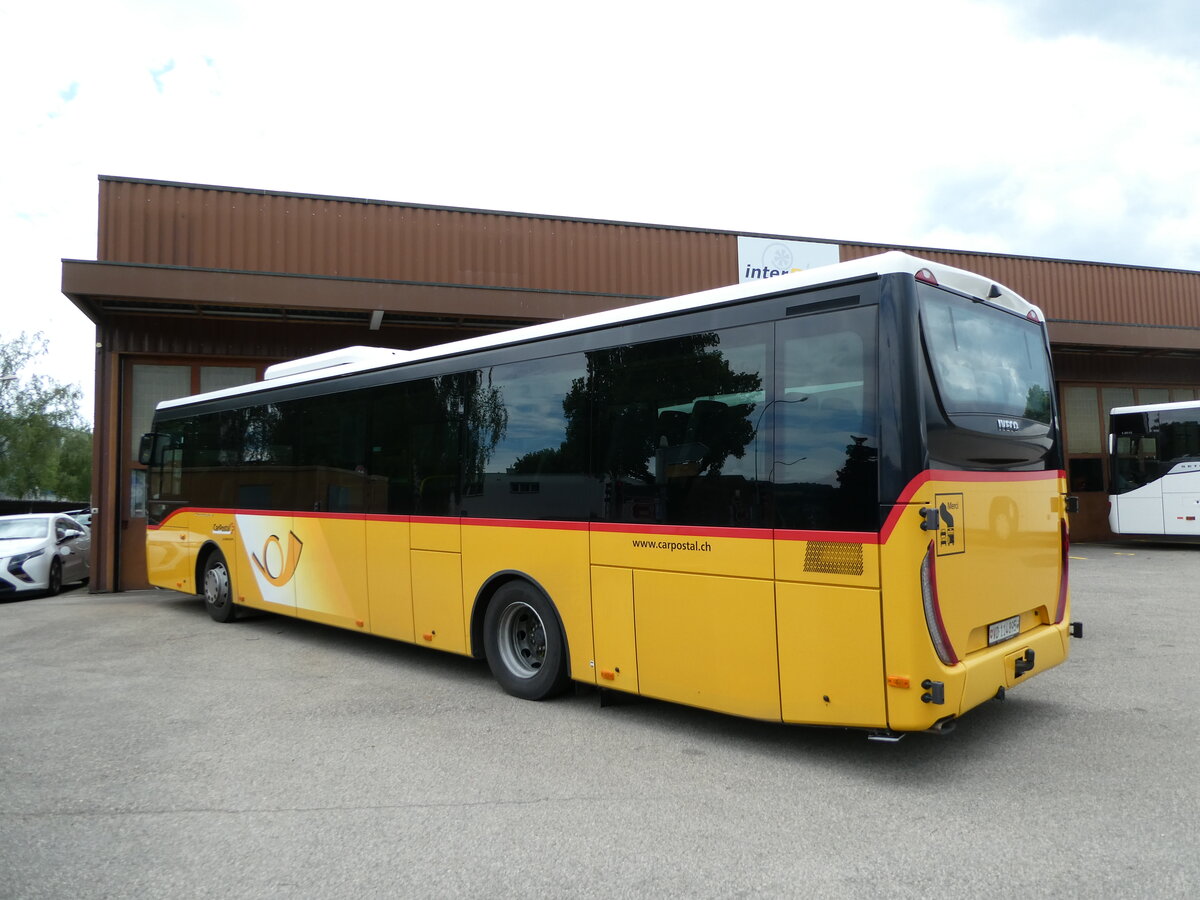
<point>898,681</point>
<point>429,635</point>
<point>608,674</point>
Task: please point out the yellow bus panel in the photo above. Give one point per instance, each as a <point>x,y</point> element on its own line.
<point>849,559</point>
<point>389,582</point>
<point>438,600</point>
<point>830,655</point>
<point>613,628</point>
<point>441,535</point>
<point>170,559</point>
<point>708,641</point>
<point>331,582</point>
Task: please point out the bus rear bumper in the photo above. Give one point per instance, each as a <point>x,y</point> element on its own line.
<point>1012,663</point>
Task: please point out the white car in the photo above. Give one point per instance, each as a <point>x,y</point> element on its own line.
<point>42,552</point>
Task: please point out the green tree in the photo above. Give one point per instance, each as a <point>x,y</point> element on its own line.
<point>45,447</point>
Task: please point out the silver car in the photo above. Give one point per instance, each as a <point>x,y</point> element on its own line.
<point>42,552</point>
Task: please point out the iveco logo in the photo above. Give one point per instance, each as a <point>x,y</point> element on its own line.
<point>1008,425</point>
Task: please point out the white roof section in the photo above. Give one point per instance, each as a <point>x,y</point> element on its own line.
<point>353,360</point>
<point>348,356</point>
<point>1155,407</point>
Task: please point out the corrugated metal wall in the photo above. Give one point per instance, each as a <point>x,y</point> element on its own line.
<point>156,223</point>
<point>1082,292</point>
<point>159,223</point>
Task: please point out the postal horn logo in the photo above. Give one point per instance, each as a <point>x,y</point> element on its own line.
<point>272,553</point>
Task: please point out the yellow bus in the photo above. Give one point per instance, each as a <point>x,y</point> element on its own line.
<point>834,497</point>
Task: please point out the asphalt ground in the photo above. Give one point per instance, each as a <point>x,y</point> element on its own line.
<point>146,751</point>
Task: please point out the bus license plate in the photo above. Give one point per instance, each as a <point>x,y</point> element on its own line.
<point>1003,631</point>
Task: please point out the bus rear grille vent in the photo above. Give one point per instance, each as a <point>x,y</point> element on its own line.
<point>833,558</point>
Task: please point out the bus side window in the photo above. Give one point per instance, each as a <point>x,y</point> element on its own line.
<point>680,436</point>
<point>826,448</point>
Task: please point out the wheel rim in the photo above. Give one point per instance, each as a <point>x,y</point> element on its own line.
<point>216,586</point>
<point>522,639</point>
<point>55,577</point>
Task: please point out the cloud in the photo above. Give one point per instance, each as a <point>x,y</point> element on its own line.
<point>1170,27</point>
<point>157,74</point>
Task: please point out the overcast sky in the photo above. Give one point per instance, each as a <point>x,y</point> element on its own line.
<point>1062,128</point>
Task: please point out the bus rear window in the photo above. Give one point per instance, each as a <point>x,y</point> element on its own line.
<point>984,360</point>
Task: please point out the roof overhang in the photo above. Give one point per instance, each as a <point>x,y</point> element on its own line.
<point>1160,338</point>
<point>103,289</point>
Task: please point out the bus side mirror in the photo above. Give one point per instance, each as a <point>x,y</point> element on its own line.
<point>150,451</point>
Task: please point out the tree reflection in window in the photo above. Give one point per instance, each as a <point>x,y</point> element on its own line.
<point>675,427</point>
<point>826,458</point>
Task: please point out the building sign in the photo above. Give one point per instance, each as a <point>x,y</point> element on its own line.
<point>768,257</point>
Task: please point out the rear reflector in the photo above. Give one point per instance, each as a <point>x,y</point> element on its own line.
<point>933,612</point>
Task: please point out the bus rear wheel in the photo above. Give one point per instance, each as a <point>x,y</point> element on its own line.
<point>524,643</point>
<point>218,589</point>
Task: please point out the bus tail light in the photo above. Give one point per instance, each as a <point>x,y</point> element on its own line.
<point>926,276</point>
<point>1061,612</point>
<point>933,612</point>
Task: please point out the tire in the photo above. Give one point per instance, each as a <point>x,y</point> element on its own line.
<point>524,643</point>
<point>54,584</point>
<point>218,589</point>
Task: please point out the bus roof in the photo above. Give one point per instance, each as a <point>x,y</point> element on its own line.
<point>1155,407</point>
<point>352,360</point>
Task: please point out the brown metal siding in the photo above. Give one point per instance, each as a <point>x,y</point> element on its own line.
<point>194,226</point>
<point>1082,292</point>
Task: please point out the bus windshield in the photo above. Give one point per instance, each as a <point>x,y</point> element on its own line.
<point>985,360</point>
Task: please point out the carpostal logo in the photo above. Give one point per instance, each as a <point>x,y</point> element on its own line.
<point>274,566</point>
<point>776,260</point>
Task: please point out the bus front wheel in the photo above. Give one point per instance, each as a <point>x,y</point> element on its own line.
<point>524,644</point>
<point>218,589</point>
